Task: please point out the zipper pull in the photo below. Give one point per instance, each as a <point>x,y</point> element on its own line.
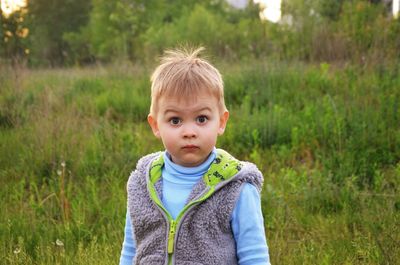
<point>171,237</point>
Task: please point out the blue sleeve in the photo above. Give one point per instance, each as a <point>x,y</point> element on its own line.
<point>248,228</point>
<point>128,247</point>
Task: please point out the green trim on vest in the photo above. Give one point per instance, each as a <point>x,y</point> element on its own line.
<point>223,168</point>
<point>156,168</point>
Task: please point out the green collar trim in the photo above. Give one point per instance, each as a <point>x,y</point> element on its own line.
<point>222,168</point>
<point>156,168</point>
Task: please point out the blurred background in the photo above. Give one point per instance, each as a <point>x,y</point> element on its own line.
<point>313,90</point>
<point>68,33</point>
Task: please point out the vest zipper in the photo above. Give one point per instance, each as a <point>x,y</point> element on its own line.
<point>171,237</point>
<point>174,223</point>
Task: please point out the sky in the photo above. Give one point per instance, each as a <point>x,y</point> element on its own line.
<point>9,6</point>
<point>271,8</point>
<point>396,8</point>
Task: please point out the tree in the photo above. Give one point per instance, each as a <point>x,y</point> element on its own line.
<point>48,21</point>
<point>13,35</point>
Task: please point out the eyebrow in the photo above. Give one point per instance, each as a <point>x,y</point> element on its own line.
<point>177,111</point>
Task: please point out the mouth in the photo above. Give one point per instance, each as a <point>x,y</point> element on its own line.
<point>190,147</point>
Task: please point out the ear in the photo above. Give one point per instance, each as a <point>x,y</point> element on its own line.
<point>153,124</point>
<point>222,122</point>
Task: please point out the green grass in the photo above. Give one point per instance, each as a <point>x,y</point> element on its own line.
<point>326,138</point>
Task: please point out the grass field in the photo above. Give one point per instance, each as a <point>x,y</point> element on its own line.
<point>327,139</point>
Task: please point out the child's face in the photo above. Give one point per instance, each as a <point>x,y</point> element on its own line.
<point>188,128</point>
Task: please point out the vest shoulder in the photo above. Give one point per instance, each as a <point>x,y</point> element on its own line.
<point>248,172</point>
<point>143,163</point>
<point>146,160</point>
<point>251,174</point>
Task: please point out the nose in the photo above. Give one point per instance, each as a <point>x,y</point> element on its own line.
<point>188,131</point>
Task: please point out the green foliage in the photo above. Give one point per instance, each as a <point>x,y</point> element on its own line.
<point>111,24</point>
<point>357,31</point>
<point>229,34</point>
<point>48,21</point>
<point>13,36</point>
<point>326,139</point>
<point>342,116</point>
<point>198,27</point>
<point>75,33</point>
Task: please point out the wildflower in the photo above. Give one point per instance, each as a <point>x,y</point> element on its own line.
<point>59,172</point>
<point>59,243</point>
<point>17,250</point>
<point>63,164</point>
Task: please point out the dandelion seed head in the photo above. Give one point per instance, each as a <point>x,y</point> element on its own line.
<point>59,172</point>
<point>59,243</point>
<point>63,164</point>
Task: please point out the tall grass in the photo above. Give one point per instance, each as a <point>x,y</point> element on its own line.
<point>327,139</point>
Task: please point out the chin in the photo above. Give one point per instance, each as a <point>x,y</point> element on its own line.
<point>192,163</point>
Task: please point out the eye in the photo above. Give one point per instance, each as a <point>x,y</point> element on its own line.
<point>175,121</point>
<point>202,119</point>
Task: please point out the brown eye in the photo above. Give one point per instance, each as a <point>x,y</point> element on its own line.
<point>202,119</point>
<point>175,121</point>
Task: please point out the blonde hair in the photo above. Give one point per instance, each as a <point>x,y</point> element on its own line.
<point>182,73</point>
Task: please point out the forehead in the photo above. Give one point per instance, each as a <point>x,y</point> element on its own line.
<point>203,101</point>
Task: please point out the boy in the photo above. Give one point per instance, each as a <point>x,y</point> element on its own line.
<point>193,203</point>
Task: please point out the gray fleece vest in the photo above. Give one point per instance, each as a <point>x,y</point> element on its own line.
<point>202,233</point>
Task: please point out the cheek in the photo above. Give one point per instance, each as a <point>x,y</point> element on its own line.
<point>211,136</point>
<point>167,137</point>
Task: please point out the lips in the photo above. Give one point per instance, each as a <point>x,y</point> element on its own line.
<point>190,147</point>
